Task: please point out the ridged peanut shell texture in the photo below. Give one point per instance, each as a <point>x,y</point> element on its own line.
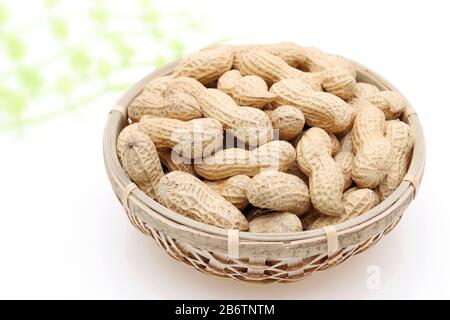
<point>179,106</point>
<point>190,139</point>
<point>365,89</point>
<point>228,81</point>
<point>252,91</point>
<point>184,85</point>
<point>279,191</point>
<point>320,109</point>
<point>288,120</point>
<point>344,159</point>
<point>248,124</point>
<point>339,82</point>
<point>124,137</point>
<point>402,140</point>
<point>158,85</point>
<point>275,155</point>
<point>276,222</point>
<point>233,189</point>
<point>140,160</point>
<point>173,162</point>
<point>190,197</point>
<point>390,102</point>
<point>273,69</point>
<point>373,151</point>
<point>205,66</point>
<point>326,181</point>
<point>355,201</point>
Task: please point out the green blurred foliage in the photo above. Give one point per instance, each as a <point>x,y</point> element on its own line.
<point>4,14</point>
<point>50,3</point>
<point>80,59</point>
<point>77,63</point>
<point>12,102</point>
<point>30,79</point>
<point>14,46</point>
<point>59,27</point>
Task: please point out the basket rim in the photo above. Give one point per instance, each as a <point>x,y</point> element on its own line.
<point>403,191</point>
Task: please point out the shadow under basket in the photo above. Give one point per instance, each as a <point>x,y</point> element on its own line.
<point>253,257</point>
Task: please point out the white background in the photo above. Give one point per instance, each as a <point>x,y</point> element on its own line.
<point>63,234</point>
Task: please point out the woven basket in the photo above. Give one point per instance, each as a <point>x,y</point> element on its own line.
<point>245,256</point>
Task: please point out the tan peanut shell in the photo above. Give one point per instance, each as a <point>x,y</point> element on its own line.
<point>315,60</point>
<point>338,81</point>
<point>252,91</point>
<point>309,218</point>
<point>184,85</point>
<point>279,191</point>
<point>140,161</point>
<point>173,162</point>
<point>402,140</point>
<point>369,124</point>
<point>365,89</point>
<point>294,169</point>
<point>276,222</point>
<point>304,58</point>
<point>371,163</point>
<point>248,124</point>
<point>273,69</point>
<point>372,150</point>
<point>288,120</point>
<point>228,80</point>
<point>275,155</point>
<point>390,102</point>
<point>320,109</point>
<point>190,139</point>
<point>146,103</point>
<point>356,202</point>
<point>190,197</point>
<point>333,73</point>
<point>233,189</point>
<point>123,138</point>
<point>179,106</point>
<point>344,159</point>
<point>335,146</point>
<point>326,181</point>
<point>205,66</point>
<point>158,86</point>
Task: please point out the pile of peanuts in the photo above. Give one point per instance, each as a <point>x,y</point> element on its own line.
<point>269,138</point>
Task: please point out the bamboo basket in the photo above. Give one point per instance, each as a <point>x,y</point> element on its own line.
<point>253,257</point>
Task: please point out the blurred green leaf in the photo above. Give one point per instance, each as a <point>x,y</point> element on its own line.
<point>121,47</point>
<point>177,47</point>
<point>15,47</point>
<point>4,14</point>
<point>50,3</point>
<point>59,28</point>
<point>100,14</point>
<point>30,79</point>
<point>159,61</point>
<point>157,34</point>
<point>80,60</point>
<point>65,84</point>
<point>151,17</point>
<point>12,102</point>
<point>104,69</point>
<point>146,3</point>
<point>195,25</point>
